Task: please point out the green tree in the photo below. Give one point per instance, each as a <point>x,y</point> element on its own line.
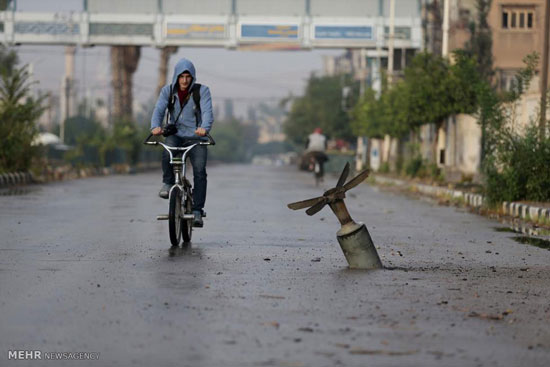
<point>234,141</point>
<point>80,127</point>
<point>320,106</point>
<point>4,4</point>
<point>367,118</point>
<point>465,81</point>
<point>19,111</point>
<point>428,79</point>
<point>430,91</point>
<point>480,45</point>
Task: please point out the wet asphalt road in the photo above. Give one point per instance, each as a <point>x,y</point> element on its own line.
<point>85,267</point>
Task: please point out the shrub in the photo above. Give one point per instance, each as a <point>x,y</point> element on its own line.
<point>519,169</point>
<point>413,166</point>
<point>384,168</point>
<point>18,114</point>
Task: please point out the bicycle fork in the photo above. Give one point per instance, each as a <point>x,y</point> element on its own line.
<point>178,185</point>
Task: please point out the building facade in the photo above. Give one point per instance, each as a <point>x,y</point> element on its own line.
<point>518,30</point>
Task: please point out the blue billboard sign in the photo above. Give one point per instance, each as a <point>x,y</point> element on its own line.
<point>343,32</point>
<point>269,31</point>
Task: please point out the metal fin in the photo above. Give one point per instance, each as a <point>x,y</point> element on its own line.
<point>357,180</point>
<point>343,176</point>
<point>317,207</point>
<point>304,203</point>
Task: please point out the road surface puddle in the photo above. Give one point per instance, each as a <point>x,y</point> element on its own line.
<point>532,234</point>
<point>17,191</point>
<point>533,241</point>
<point>522,228</point>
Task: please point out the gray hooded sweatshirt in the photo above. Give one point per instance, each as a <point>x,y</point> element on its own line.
<point>186,122</point>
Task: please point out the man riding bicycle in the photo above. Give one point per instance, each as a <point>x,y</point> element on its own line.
<point>189,106</point>
<point>316,146</point>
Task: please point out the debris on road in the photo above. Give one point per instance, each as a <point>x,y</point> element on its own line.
<point>382,352</point>
<point>272,297</point>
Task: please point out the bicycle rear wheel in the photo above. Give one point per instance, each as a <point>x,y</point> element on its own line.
<point>175,216</point>
<point>317,173</point>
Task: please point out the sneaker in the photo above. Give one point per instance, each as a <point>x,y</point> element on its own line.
<point>197,222</point>
<point>164,191</point>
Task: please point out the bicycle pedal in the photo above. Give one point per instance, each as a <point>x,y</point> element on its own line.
<point>162,217</point>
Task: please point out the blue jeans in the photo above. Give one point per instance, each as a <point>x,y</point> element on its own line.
<point>198,156</point>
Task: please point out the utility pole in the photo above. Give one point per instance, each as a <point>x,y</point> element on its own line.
<point>67,85</point>
<point>363,71</point>
<point>67,109</point>
<point>445,46</point>
<point>390,41</point>
<point>544,82</point>
<point>361,155</point>
<point>445,128</point>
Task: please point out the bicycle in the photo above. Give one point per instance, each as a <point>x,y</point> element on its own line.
<point>180,200</point>
<point>315,165</point>
<point>315,161</point>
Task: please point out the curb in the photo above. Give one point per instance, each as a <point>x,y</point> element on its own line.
<point>65,173</point>
<point>16,178</point>
<point>513,209</point>
<point>524,211</point>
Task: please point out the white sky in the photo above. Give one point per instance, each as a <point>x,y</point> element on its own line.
<point>248,77</point>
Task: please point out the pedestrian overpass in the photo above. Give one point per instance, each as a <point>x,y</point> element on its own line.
<point>273,24</point>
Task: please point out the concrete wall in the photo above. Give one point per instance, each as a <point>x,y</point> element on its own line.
<point>375,154</point>
<point>527,109</point>
<point>461,13</point>
<point>122,6</point>
<point>187,7</point>
<point>459,142</point>
<point>463,146</point>
<point>273,8</point>
<point>426,135</point>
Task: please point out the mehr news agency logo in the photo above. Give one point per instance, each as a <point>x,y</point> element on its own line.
<point>53,356</point>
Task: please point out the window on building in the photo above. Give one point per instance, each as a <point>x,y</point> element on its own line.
<point>507,79</point>
<point>517,18</point>
<point>522,20</point>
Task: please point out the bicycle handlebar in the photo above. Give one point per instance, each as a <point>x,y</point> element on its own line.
<point>194,138</point>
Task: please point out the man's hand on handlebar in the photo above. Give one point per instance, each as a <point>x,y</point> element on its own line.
<point>200,131</point>
<point>156,131</point>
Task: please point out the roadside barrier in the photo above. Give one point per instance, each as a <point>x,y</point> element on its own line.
<point>16,178</point>
<point>513,209</point>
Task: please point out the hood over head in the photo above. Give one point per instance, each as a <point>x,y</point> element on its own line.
<point>181,66</point>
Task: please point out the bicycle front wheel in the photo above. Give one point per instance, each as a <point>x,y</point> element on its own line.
<point>175,216</point>
<point>187,225</point>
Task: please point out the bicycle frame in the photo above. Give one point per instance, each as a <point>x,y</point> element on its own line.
<point>178,164</point>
